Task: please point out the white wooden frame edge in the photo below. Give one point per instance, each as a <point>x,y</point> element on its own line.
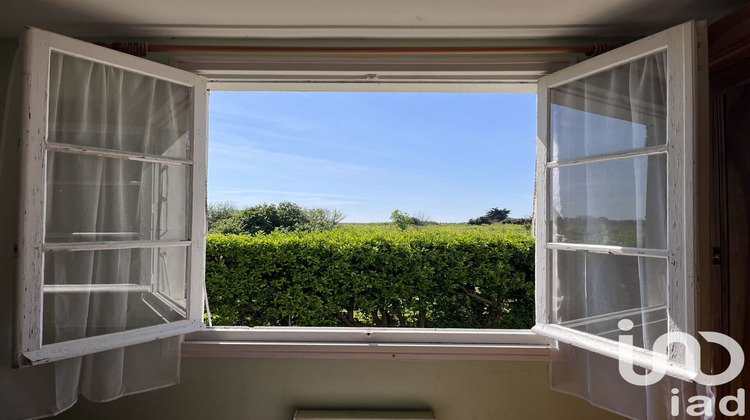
<point>90,345</point>
<point>360,73</point>
<point>366,343</point>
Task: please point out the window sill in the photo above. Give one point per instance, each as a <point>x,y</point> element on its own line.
<point>366,343</point>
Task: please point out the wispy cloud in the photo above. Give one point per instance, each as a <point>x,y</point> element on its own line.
<point>246,156</point>
<point>252,133</point>
<point>277,120</point>
<point>287,193</point>
<point>256,135</point>
<point>304,198</point>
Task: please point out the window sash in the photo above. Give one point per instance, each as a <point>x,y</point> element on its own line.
<point>608,249</point>
<point>38,47</point>
<point>682,47</point>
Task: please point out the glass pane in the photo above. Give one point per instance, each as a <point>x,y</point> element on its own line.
<point>98,105</point>
<point>623,108</point>
<point>101,199</point>
<point>595,291</point>
<point>618,202</point>
<point>89,293</point>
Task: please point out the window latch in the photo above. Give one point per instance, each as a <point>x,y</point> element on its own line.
<point>716,256</point>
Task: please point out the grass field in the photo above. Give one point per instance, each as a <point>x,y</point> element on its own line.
<point>440,227</point>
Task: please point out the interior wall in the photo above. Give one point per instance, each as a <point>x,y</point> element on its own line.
<point>274,388</point>
<point>8,209</point>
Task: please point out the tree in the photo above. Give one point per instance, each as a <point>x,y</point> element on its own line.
<point>285,217</point>
<point>322,219</point>
<point>218,212</point>
<point>493,215</point>
<point>401,219</point>
<point>420,218</point>
<point>497,215</point>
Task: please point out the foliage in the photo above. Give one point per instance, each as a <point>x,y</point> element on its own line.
<point>518,220</point>
<point>438,227</point>
<point>371,277</point>
<point>217,212</point>
<point>493,215</point>
<point>421,219</point>
<point>403,220</point>
<point>322,219</point>
<point>266,218</point>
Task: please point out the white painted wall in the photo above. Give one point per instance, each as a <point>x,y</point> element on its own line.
<point>273,388</point>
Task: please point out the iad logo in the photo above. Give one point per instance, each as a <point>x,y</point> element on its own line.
<point>691,349</point>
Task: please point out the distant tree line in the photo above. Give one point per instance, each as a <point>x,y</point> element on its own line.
<point>227,218</point>
<point>496,215</point>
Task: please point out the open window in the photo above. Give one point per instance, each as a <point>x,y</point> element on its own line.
<point>112,213</point>
<point>615,208</point>
<point>113,197</point>
<point>615,202</point>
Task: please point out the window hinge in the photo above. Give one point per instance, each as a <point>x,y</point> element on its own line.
<point>716,256</point>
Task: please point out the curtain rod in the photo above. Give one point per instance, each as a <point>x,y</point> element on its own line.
<point>141,49</point>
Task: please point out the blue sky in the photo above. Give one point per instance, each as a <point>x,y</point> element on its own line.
<point>450,156</point>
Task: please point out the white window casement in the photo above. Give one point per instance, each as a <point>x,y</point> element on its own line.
<point>620,202</point>
<point>112,221</point>
<point>365,74</point>
<point>616,253</point>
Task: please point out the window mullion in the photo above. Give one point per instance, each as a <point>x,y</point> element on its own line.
<point>115,154</point>
<point>609,249</point>
<point>645,151</point>
<point>613,316</point>
<point>105,245</point>
<point>91,288</point>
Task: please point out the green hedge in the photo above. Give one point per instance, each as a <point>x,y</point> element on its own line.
<point>372,278</point>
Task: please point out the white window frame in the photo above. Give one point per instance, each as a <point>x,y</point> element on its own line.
<point>363,74</point>
<point>685,48</point>
<point>28,348</point>
<point>425,74</point>
<point>373,74</point>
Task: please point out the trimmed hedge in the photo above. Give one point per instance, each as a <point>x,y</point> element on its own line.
<point>372,278</point>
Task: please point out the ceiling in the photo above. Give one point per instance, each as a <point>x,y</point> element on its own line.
<point>355,18</point>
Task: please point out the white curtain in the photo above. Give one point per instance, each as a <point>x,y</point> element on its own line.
<point>93,199</point>
<point>620,202</point>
